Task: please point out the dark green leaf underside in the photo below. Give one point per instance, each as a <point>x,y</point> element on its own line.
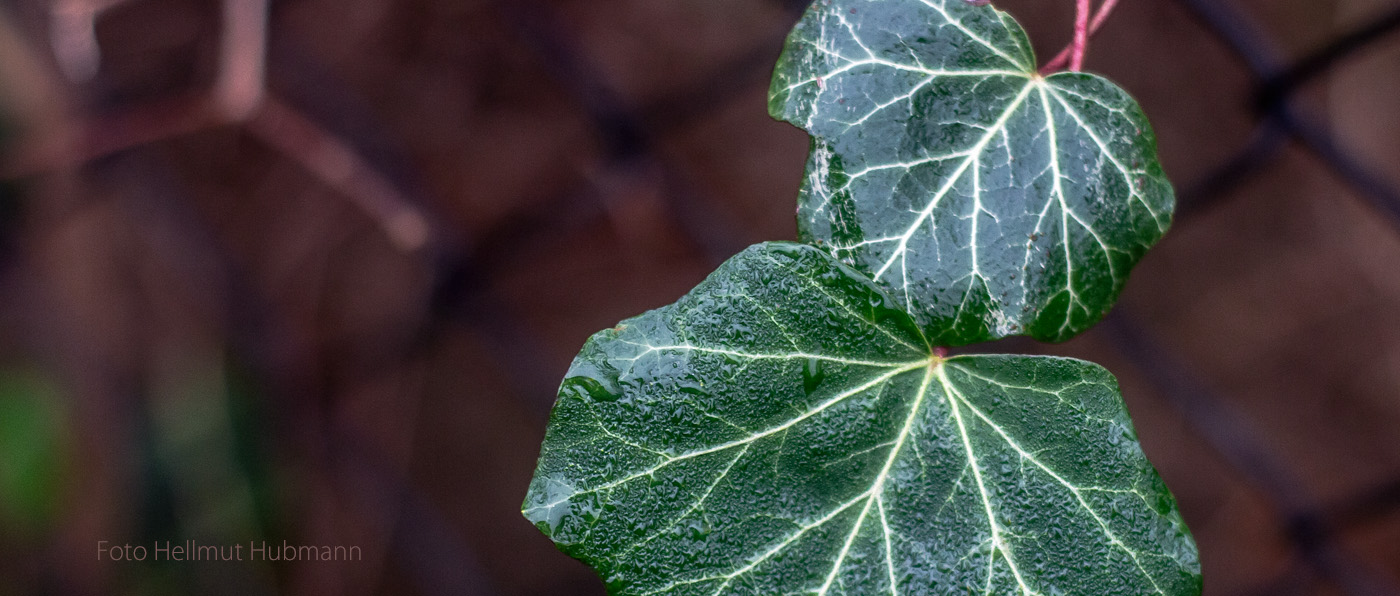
<point>989,200</point>
<point>783,429</point>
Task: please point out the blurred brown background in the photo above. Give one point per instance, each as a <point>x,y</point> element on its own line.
<point>311,271</point>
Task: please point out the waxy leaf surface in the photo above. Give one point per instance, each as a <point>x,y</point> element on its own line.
<point>989,200</point>
<point>784,429</point>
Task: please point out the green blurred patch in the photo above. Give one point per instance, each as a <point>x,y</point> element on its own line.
<point>34,443</point>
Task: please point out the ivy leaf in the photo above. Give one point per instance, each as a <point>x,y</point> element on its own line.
<point>786,429</point>
<point>990,200</point>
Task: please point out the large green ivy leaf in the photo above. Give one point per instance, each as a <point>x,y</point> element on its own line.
<point>786,429</point>
<point>992,201</point>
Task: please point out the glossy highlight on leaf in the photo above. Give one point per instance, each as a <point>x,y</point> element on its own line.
<point>990,200</point>
<point>786,428</point>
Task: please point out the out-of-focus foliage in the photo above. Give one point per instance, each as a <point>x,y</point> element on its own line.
<point>34,443</point>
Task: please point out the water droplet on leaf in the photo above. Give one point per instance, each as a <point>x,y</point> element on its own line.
<point>812,375</point>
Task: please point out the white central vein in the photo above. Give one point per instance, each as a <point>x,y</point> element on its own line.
<point>889,545</point>
<point>1108,154</point>
<point>999,543</point>
<point>952,180</point>
<point>1058,196</point>
<point>1067,212</point>
<point>873,498</point>
<point>878,486</point>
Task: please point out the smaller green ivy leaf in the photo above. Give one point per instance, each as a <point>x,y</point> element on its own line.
<point>786,429</point>
<point>990,200</point>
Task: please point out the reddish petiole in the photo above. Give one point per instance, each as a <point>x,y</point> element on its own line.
<point>1084,27</point>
